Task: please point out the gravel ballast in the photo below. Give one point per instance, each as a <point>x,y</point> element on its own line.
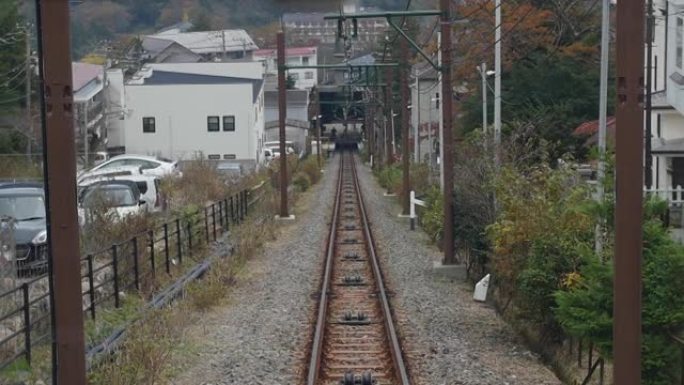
<point>257,336</point>
<point>448,339</point>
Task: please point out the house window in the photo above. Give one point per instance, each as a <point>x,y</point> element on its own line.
<point>305,60</point>
<point>214,157</point>
<point>229,156</point>
<point>679,41</point>
<point>229,123</point>
<point>149,126</point>
<point>308,75</point>
<point>213,123</point>
<point>295,76</point>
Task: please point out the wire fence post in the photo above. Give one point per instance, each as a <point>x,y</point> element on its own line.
<point>166,248</point>
<point>220,214</point>
<point>115,267</point>
<point>206,223</point>
<point>179,242</point>
<point>136,263</point>
<point>27,322</point>
<point>213,219</point>
<point>225,213</point>
<point>242,206</point>
<point>190,237</point>
<point>232,210</point>
<point>152,262</point>
<point>91,286</point>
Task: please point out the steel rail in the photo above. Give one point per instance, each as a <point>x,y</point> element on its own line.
<point>399,367</point>
<point>397,356</point>
<point>317,346</point>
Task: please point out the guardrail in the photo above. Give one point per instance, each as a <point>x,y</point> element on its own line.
<point>128,266</point>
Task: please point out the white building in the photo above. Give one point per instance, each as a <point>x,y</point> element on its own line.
<point>304,78</point>
<point>182,110</point>
<point>228,44</point>
<point>667,116</point>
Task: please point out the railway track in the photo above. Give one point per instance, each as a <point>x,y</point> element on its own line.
<point>355,341</point>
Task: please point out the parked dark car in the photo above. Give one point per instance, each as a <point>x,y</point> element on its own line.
<point>25,204</point>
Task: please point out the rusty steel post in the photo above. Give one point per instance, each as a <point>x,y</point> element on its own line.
<point>403,78</point>
<point>282,114</point>
<point>59,159</point>
<point>629,147</point>
<point>389,155</point>
<point>447,157</point>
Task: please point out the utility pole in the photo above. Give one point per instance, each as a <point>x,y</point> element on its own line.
<point>497,86</point>
<point>603,104</point>
<point>282,115</point>
<point>648,166</point>
<point>29,118</point>
<point>447,156</point>
<point>59,159</point>
<point>629,154</point>
<point>406,153</point>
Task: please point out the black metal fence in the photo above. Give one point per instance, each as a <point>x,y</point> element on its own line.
<point>129,266</point>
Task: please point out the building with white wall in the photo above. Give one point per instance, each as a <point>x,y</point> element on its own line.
<point>186,110</point>
<point>304,78</point>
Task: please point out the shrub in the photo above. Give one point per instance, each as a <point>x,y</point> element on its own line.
<point>432,219</point>
<point>310,168</point>
<point>534,205</point>
<point>301,181</point>
<point>390,177</point>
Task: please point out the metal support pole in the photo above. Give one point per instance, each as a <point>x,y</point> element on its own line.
<point>483,72</point>
<point>29,118</point>
<point>59,159</point>
<point>629,155</point>
<point>648,165</point>
<point>282,114</point>
<point>440,113</point>
<point>447,156</point>
<point>417,107</point>
<point>403,78</point>
<point>318,127</point>
<point>603,104</point>
<point>389,155</point>
<point>497,86</point>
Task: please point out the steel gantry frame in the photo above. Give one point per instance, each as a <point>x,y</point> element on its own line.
<point>444,68</point>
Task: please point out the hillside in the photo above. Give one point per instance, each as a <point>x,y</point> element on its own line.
<point>97,20</point>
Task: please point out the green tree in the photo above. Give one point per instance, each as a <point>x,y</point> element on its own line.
<point>585,309</point>
<point>12,56</point>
